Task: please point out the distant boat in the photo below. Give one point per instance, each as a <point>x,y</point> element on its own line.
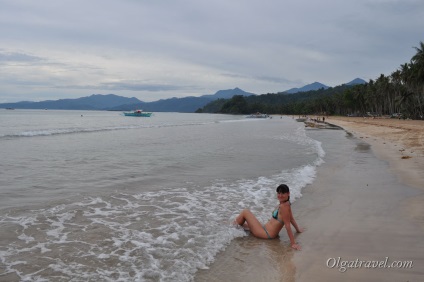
<point>321,125</point>
<point>258,115</point>
<point>137,113</point>
<point>9,108</point>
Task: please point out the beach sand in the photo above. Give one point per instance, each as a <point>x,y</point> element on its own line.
<point>366,204</point>
<point>400,142</point>
<point>367,212</point>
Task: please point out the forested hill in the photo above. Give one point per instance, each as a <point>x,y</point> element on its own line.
<point>275,103</point>
<point>401,92</point>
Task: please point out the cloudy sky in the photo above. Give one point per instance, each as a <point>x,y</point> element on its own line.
<point>156,49</point>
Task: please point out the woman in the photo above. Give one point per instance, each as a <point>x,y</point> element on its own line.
<point>282,216</point>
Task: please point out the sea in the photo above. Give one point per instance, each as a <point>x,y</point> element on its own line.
<point>98,196</point>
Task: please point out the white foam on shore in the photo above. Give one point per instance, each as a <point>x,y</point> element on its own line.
<point>164,235</point>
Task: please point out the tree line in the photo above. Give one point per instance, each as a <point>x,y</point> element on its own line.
<point>401,92</point>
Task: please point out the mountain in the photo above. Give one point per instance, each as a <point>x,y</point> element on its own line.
<point>93,102</point>
<point>184,105</point>
<point>356,81</point>
<point>106,101</point>
<point>119,103</point>
<point>227,94</point>
<point>306,88</point>
<point>318,85</point>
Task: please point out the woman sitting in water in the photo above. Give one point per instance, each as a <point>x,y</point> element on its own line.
<point>282,216</point>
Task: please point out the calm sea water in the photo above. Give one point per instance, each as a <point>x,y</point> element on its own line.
<point>88,196</point>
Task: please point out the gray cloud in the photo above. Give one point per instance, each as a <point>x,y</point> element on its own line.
<point>130,86</point>
<point>18,57</point>
<point>178,48</point>
<point>279,80</point>
<point>142,87</point>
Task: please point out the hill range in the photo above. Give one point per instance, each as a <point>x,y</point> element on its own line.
<point>114,102</point>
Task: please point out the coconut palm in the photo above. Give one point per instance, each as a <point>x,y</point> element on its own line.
<point>418,61</point>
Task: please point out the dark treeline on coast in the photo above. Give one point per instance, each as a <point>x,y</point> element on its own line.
<point>401,92</point>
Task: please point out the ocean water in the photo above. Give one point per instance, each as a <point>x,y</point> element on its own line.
<point>97,196</point>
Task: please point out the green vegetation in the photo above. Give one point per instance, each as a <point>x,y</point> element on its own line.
<point>401,92</point>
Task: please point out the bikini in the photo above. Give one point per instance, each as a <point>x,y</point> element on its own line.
<point>274,216</point>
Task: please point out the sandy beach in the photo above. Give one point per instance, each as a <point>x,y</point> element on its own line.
<point>400,142</point>
<point>357,215</point>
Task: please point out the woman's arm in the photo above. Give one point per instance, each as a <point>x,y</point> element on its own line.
<point>286,214</point>
<point>292,221</point>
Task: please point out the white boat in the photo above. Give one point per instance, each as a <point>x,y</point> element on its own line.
<point>137,113</point>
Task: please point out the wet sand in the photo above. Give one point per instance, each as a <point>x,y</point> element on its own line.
<point>400,142</point>
<point>366,205</point>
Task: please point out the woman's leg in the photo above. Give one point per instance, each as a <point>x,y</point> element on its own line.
<point>255,226</point>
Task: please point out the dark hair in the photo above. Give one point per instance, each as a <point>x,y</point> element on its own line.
<point>283,188</point>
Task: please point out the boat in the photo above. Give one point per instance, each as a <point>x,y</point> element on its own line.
<point>321,125</point>
<point>258,115</point>
<point>314,124</point>
<point>137,113</point>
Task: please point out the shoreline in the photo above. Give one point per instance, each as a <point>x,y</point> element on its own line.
<point>399,142</point>
<point>366,203</point>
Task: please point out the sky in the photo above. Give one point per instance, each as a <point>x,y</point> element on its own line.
<point>151,50</point>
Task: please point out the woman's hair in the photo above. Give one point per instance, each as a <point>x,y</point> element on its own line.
<point>283,188</point>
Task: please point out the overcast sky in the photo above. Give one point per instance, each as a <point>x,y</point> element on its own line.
<point>151,50</point>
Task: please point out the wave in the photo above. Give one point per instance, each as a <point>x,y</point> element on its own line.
<point>60,131</point>
<point>78,130</point>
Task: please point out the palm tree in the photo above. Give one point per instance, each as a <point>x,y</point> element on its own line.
<point>396,81</point>
<point>418,61</point>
